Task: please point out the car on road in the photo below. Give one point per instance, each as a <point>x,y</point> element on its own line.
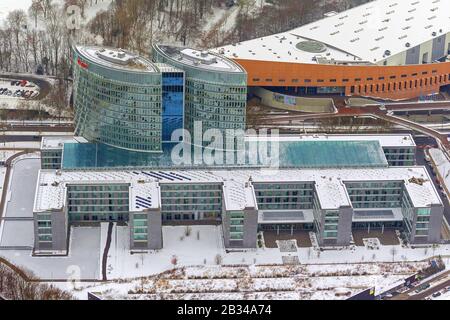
<point>436,294</point>
<point>423,287</point>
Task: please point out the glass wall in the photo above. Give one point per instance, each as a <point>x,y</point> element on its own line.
<point>375,194</point>
<point>172,103</point>
<point>51,159</point>
<point>236,225</point>
<point>400,156</point>
<point>96,203</point>
<point>215,97</point>
<point>117,107</point>
<point>191,201</point>
<point>284,196</point>
<point>140,228</point>
<point>44,222</point>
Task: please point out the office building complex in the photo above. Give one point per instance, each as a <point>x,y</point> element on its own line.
<point>128,109</point>
<point>330,202</point>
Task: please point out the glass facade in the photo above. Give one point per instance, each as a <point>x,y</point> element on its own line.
<point>215,97</point>
<point>96,203</point>
<point>118,107</point>
<point>280,196</point>
<point>140,228</point>
<point>397,156</point>
<point>44,229</point>
<point>375,194</point>
<point>299,154</point>
<point>191,201</point>
<point>236,225</point>
<point>51,159</point>
<point>172,103</point>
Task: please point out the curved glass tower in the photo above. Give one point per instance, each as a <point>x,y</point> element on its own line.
<point>118,99</point>
<point>216,87</point>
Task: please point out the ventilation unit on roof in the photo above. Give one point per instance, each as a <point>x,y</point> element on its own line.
<point>434,34</point>
<point>408,45</point>
<point>387,52</point>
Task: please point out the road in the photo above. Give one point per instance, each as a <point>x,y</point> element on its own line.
<point>409,295</point>
<point>19,139</point>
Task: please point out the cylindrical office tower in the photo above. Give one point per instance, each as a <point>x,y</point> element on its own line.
<point>216,87</point>
<point>118,99</point>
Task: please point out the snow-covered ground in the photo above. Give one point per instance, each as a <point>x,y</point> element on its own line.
<point>326,281</point>
<point>81,263</point>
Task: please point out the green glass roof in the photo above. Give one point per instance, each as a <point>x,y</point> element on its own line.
<point>332,154</point>
<point>298,154</point>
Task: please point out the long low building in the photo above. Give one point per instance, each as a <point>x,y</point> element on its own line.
<point>330,202</point>
<point>299,151</point>
<point>387,49</point>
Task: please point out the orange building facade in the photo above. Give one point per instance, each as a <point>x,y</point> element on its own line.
<point>385,82</point>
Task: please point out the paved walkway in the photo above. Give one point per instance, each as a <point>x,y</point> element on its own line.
<point>106,251</point>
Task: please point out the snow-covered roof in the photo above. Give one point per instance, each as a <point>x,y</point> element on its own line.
<point>371,32</point>
<point>331,193</point>
<point>164,67</point>
<point>52,188</point>
<point>385,140</point>
<point>238,190</point>
<point>57,142</point>
<point>239,195</point>
<point>206,60</point>
<point>116,59</point>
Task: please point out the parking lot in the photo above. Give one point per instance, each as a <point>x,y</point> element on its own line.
<point>18,89</point>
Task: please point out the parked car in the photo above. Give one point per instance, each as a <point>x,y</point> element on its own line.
<point>27,94</point>
<point>436,294</point>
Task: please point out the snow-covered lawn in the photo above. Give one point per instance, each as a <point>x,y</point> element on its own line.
<point>81,263</point>
<point>188,251</point>
<point>17,234</point>
<point>256,282</point>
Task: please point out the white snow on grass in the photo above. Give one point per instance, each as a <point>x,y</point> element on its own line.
<point>254,282</point>
<point>81,263</point>
<point>17,234</point>
<point>188,251</point>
